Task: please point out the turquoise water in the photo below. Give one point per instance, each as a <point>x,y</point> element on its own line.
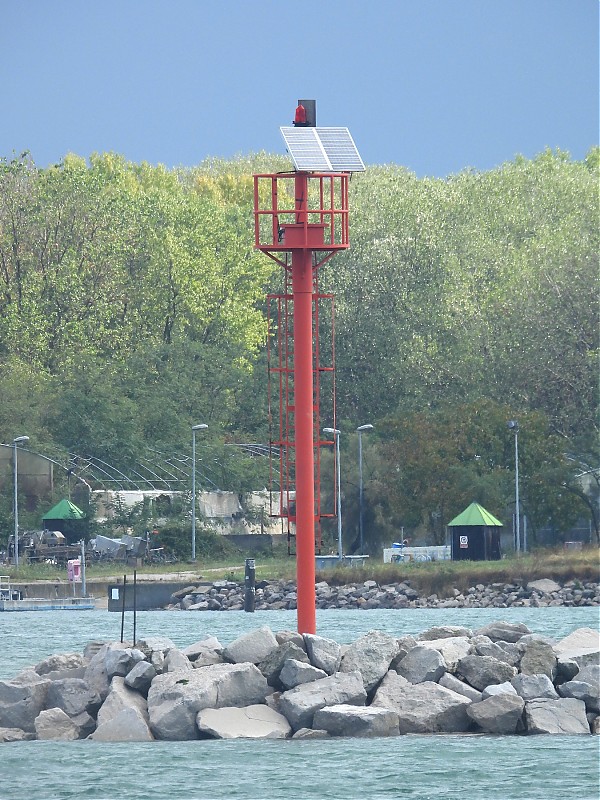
<point>27,637</point>
<point>406,767</point>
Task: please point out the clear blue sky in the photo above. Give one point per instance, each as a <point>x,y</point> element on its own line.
<point>434,85</point>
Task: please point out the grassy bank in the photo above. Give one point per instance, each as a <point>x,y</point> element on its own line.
<point>427,578</point>
<point>442,576</point>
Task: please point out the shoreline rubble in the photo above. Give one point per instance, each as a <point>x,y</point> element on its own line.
<point>223,595</point>
<point>499,679</point>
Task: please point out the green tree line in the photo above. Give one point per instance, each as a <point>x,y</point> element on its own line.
<point>132,305</point>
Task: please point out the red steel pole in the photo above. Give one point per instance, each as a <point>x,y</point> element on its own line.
<point>302,288</point>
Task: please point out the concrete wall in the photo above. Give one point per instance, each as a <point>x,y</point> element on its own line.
<point>221,511</point>
<point>58,589</point>
<point>148,595</point>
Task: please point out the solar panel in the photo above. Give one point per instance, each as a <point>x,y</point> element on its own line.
<point>322,149</point>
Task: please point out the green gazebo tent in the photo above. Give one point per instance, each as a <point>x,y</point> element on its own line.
<point>67,518</point>
<point>475,535</point>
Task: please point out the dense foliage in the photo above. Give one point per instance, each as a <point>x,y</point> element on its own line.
<point>132,306</point>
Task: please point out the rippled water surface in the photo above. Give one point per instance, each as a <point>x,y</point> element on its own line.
<point>411,767</point>
<point>29,636</point>
<point>415,767</point>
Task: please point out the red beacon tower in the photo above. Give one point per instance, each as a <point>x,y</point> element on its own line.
<point>301,221</point>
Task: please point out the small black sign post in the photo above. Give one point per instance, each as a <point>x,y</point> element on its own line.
<point>249,582</point>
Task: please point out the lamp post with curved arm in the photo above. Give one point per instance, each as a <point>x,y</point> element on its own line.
<point>360,430</point>
<point>336,434</point>
<point>18,440</point>
<point>514,427</point>
<point>195,428</point>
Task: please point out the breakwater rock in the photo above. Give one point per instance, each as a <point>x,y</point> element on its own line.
<point>229,596</point>
<point>499,679</point>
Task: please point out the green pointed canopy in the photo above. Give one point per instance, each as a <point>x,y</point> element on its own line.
<point>476,515</point>
<point>64,510</point>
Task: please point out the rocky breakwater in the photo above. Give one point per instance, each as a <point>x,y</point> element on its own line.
<point>225,595</point>
<point>499,679</point>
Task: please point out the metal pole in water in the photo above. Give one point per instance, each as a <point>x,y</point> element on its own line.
<point>123,607</point>
<point>249,582</point>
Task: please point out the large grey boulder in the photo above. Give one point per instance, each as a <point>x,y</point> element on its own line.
<point>251,722</point>
<point>424,707</point>
<point>271,666</point>
<point>155,644</point>
<point>503,651</point>
<point>293,673</point>
<point>323,653</point>
<point>445,632</point>
<point>300,703</point>
<point>290,636</point>
<point>192,651</point>
<point>96,676</point>
<point>205,652</point>
<point>389,689</point>
<point>176,661</point>
<point>15,735</point>
<point>498,688</point>
<point>85,724</point>
<point>451,648</point>
<point>208,657</point>
<point>481,671</point>
<point>155,649</point>
<point>73,696</point>
<point>405,643</point>
<point>120,697</point>
<point>544,586</point>
<point>140,677</point>
<point>530,687</point>
<point>93,647</point>
<point>310,733</point>
<point>175,698</point>
<point>538,657</point>
<point>450,681</point>
<point>252,647</point>
<point>129,725</point>
<point>585,686</point>
<point>591,674</point>
<point>581,646</point>
<point>503,631</point>
<point>350,720</point>
<point>371,655</point>
<point>421,664</point>
<point>67,665</point>
<point>157,659</point>
<point>111,659</point>
<point>54,724</point>
<point>22,699</point>
<point>119,660</point>
<point>566,669</point>
<point>500,713</point>
<point>562,716</point>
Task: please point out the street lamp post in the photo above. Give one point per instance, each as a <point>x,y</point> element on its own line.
<point>514,426</point>
<point>18,440</point>
<point>194,429</point>
<point>360,430</point>
<point>336,435</point>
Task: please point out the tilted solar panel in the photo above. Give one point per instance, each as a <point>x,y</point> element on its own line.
<point>322,149</point>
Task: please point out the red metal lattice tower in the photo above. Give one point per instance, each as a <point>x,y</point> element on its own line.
<point>280,359</point>
<point>301,221</point>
